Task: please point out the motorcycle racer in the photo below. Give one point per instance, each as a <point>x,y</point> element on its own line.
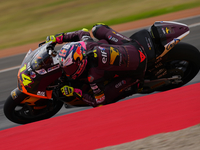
<point>113,57</point>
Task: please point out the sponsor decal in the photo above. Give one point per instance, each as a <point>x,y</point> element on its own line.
<point>62,52</point>
<point>100,98</point>
<point>95,54</point>
<point>32,74</point>
<point>41,71</point>
<point>104,56</point>
<point>172,44</point>
<point>14,95</point>
<point>26,80</point>
<point>41,93</point>
<point>113,54</point>
<point>120,84</point>
<point>61,59</point>
<point>112,38</point>
<point>148,43</point>
<point>142,56</point>
<point>53,68</point>
<point>168,30</point>
<point>163,30</point>
<point>84,53</point>
<point>78,54</point>
<point>68,61</point>
<point>123,37</point>
<point>23,68</point>
<point>102,48</point>
<point>66,46</point>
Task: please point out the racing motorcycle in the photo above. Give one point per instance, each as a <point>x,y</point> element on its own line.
<point>171,64</point>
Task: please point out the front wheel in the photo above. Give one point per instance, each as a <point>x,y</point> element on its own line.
<point>21,108</point>
<point>183,61</point>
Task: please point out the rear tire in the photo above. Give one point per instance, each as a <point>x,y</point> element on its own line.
<point>187,54</point>
<point>24,114</point>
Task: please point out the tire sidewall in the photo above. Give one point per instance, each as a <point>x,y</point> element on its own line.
<point>12,102</point>
<point>187,52</point>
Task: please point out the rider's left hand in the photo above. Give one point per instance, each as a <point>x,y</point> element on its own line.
<point>67,90</point>
<point>70,91</point>
<point>58,38</point>
<point>51,38</point>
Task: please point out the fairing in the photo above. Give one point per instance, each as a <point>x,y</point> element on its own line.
<point>166,31</point>
<point>38,70</point>
<point>168,34</point>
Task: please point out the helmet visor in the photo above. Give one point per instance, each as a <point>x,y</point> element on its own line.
<point>71,69</point>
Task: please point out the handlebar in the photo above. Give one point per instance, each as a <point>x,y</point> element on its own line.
<point>51,47</point>
<point>40,44</point>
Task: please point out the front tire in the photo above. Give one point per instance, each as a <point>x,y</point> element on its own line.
<point>23,113</point>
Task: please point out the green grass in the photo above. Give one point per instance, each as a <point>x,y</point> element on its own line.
<point>23,22</point>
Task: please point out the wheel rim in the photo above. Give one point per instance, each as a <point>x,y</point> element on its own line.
<point>181,68</point>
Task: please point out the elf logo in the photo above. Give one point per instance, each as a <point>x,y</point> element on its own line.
<point>104,56</point>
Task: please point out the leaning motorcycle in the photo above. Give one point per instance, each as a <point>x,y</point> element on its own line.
<point>171,64</point>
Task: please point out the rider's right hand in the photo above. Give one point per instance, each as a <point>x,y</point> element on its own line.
<point>58,38</point>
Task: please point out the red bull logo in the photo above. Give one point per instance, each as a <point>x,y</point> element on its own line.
<point>63,53</point>
<point>78,54</point>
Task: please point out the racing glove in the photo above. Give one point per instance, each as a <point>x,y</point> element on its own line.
<point>70,91</point>
<point>58,38</point>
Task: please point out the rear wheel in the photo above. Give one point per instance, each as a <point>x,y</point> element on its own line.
<point>17,110</point>
<point>183,61</point>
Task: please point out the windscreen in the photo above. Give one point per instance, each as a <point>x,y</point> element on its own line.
<point>41,60</point>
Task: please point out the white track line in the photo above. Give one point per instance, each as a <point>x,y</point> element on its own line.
<point>9,69</point>
<point>17,67</point>
<point>194,25</point>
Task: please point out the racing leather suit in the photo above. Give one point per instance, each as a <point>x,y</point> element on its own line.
<point>114,58</point>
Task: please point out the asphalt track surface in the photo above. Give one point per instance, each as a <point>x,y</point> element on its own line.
<point>9,67</point>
